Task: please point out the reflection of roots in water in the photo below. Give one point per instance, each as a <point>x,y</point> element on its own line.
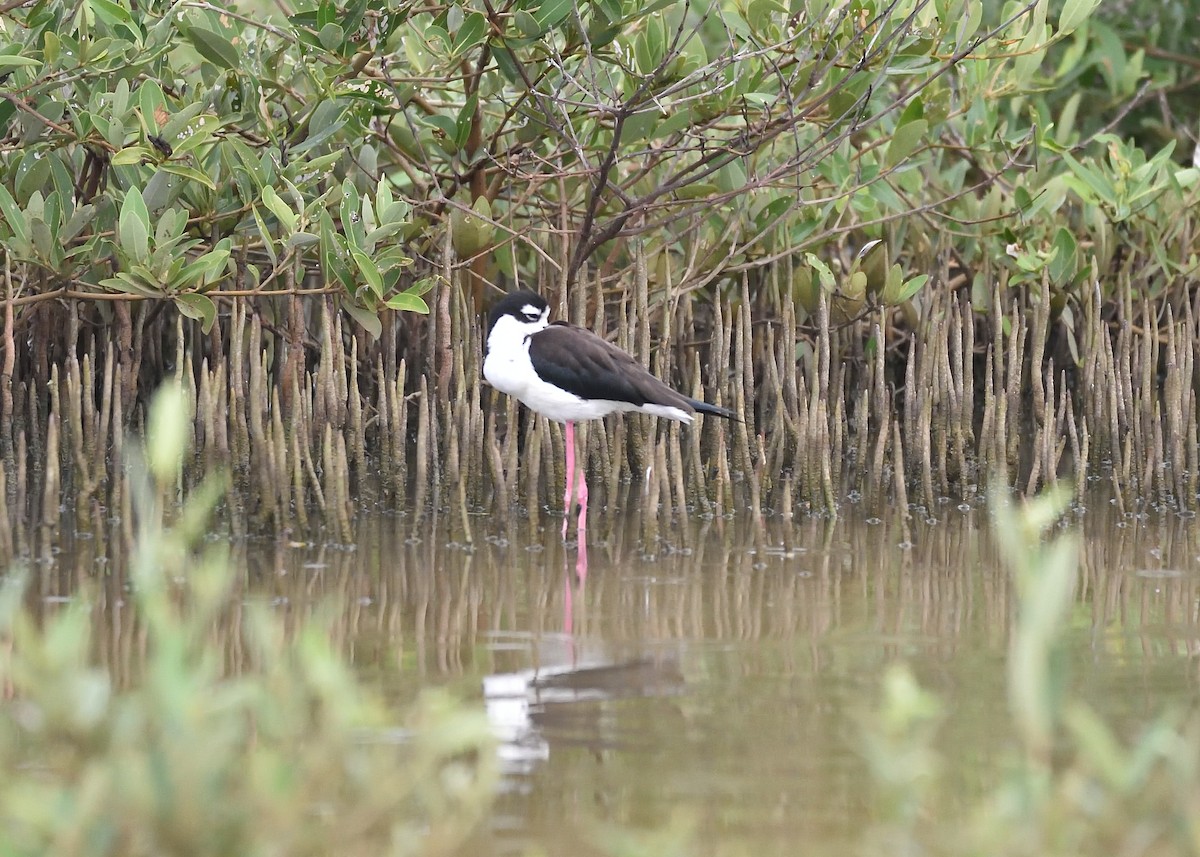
<point>410,602</point>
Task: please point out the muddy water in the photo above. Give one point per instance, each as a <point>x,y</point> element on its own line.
<point>712,691</point>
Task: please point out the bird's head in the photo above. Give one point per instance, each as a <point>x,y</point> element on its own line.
<point>514,317</point>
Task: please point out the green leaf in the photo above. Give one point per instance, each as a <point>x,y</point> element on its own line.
<point>366,319</point>
<point>680,119</point>
<point>7,112</point>
<point>905,141</point>
<point>444,124</point>
<point>326,13</point>
<point>81,217</point>
<point>466,116</point>
<point>1074,13</point>
<point>352,225</point>
<point>470,34</point>
<point>382,233</point>
<point>195,133</point>
<point>1029,54</point>
<point>325,124</point>
<point>150,100</point>
<point>201,273</point>
<point>265,233</point>
<point>422,286</point>
<point>639,125</point>
<point>1092,180</point>
<point>331,37</point>
<point>551,12</point>
<point>15,219</point>
<point>281,210</point>
<point>527,24</point>
<point>133,226</point>
<point>697,190</point>
<point>130,155</point>
<point>367,268</point>
<point>111,13</point>
<point>408,302</point>
<point>189,173</point>
<point>198,307</point>
<point>173,130</point>
<point>1062,267</point>
<point>130,285</point>
<point>32,174</point>
<point>384,203</point>
<point>644,59</point>
<point>828,281</point>
<point>912,287</point>
<point>333,251</point>
<point>214,48</point>
<point>302,239</point>
<point>11,61</point>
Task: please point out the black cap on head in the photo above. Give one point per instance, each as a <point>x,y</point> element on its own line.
<point>514,304</point>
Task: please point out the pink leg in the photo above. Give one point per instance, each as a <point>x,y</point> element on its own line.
<point>570,477</point>
<point>568,606</point>
<point>581,536</point>
<point>581,561</point>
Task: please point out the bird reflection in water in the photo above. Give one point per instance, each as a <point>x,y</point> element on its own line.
<point>564,699</point>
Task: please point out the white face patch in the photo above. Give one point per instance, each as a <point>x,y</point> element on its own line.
<point>534,315</point>
<point>507,366</point>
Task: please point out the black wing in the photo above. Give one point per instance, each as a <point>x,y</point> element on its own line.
<point>582,363</point>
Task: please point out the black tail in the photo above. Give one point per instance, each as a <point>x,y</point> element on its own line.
<point>706,408</point>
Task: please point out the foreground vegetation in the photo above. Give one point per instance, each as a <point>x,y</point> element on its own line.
<point>911,244</point>
<point>1073,786</point>
<point>288,755</point>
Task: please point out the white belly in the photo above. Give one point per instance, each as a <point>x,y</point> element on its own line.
<point>508,368</point>
<point>513,374</point>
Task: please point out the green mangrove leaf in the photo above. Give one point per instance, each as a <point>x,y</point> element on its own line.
<point>905,141</point>
<point>302,239</point>
<point>408,302</point>
<point>130,285</point>
<point>196,133</point>
<point>281,210</point>
<point>268,239</point>
<point>331,37</point>
<point>111,13</point>
<point>1074,13</point>
<point>422,285</point>
<point>527,24</point>
<point>213,47</point>
<point>16,220</point>
<point>8,62</point>
<point>365,318</point>
<point>208,267</point>
<point>333,253</point>
<point>130,155</point>
<point>369,271</point>
<point>133,226</point>
<point>551,12</point>
<point>1063,263</point>
<point>471,33</point>
<point>198,307</point>
<point>189,173</point>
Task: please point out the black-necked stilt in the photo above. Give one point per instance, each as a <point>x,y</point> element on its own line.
<point>568,373</point>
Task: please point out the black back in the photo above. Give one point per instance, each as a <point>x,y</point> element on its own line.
<point>580,362</point>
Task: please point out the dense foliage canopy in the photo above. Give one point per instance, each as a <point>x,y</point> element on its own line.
<point>177,150</point>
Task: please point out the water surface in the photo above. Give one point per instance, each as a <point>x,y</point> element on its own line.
<point>712,689</point>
